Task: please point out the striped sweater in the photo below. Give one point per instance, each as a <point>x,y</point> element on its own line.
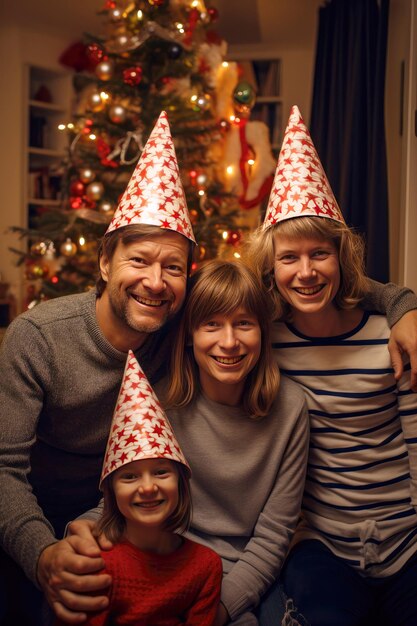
<point>361,491</point>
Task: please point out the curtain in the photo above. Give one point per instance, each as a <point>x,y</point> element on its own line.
<point>347,118</point>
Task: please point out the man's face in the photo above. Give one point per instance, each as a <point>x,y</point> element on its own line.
<point>146,283</point>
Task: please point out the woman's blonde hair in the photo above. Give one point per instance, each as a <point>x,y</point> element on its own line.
<point>221,287</point>
<point>113,524</point>
<point>260,255</point>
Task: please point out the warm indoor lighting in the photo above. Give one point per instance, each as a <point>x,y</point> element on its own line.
<point>81,240</point>
<point>229,169</point>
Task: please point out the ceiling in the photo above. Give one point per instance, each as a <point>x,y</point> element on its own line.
<point>282,23</point>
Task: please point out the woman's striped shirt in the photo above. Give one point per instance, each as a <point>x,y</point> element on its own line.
<point>361,490</point>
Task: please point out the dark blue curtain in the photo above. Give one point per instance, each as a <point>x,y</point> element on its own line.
<point>347,117</point>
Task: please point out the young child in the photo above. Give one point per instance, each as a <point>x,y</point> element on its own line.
<point>159,578</point>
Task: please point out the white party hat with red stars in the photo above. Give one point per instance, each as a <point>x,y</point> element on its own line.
<point>154,194</point>
<point>140,428</point>
<point>300,187</point>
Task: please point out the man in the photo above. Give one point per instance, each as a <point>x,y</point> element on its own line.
<point>62,363</point>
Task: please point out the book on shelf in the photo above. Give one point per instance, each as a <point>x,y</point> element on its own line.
<point>44,183</point>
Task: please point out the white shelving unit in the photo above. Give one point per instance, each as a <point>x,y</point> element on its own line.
<point>48,104</point>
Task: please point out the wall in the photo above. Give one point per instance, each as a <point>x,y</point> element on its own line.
<point>400,106</point>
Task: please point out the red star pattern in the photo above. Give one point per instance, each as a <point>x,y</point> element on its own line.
<point>300,185</point>
<point>155,185</point>
<point>140,428</point>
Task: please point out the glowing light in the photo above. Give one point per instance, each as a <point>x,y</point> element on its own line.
<point>180,26</point>
<point>92,136</point>
<point>225,64</point>
<point>70,125</point>
<point>229,169</point>
<point>225,234</point>
<point>139,15</point>
<point>236,255</point>
<point>201,192</point>
<point>81,240</point>
<point>54,279</point>
<point>232,118</point>
<point>61,127</point>
<point>194,98</point>
<point>251,162</point>
<point>104,95</point>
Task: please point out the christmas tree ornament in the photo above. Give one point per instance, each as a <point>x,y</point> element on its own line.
<point>106,207</point>
<point>76,202</point>
<point>95,53</point>
<point>155,194</point>
<point>233,237</point>
<point>39,248</point>
<point>36,271</point>
<point>94,190</point>
<point>213,13</point>
<point>116,14</point>
<point>77,188</point>
<point>87,175</point>
<point>95,102</point>
<point>140,428</point>
<point>203,102</point>
<point>68,248</point>
<point>174,51</point>
<point>194,217</point>
<point>156,3</point>
<point>300,187</point>
<point>132,75</point>
<point>104,70</point>
<point>244,94</point>
<point>117,114</point>
<point>201,180</point>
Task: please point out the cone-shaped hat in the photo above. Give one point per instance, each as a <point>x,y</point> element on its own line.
<point>154,194</point>
<point>300,187</point>
<point>140,428</point>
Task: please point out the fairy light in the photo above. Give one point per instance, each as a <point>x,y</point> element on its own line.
<point>232,118</point>
<point>236,255</point>
<point>61,126</point>
<point>81,240</point>
<point>70,126</point>
<point>92,136</point>
<point>225,64</point>
<point>225,234</point>
<point>139,14</point>
<point>194,97</point>
<point>251,162</point>
<point>229,170</point>
<point>201,192</point>
<point>104,96</point>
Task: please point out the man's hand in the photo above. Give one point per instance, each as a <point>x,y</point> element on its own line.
<point>67,572</point>
<point>404,339</point>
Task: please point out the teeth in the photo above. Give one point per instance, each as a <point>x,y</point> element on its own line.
<point>228,360</point>
<point>155,303</point>
<point>308,291</point>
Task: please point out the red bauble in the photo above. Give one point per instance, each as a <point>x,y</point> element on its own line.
<point>77,188</point>
<point>132,75</point>
<point>76,202</point>
<point>95,52</point>
<point>214,14</point>
<point>234,237</point>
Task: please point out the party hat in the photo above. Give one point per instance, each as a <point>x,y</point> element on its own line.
<point>140,428</point>
<point>154,194</point>
<point>300,187</point>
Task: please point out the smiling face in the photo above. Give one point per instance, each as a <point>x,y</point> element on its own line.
<point>146,492</point>
<point>307,274</point>
<point>226,348</point>
<point>145,285</point>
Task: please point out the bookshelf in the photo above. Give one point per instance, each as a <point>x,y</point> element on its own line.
<point>48,101</point>
<point>264,74</point>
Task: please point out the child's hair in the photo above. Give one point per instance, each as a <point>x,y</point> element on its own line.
<point>221,287</point>
<point>113,524</point>
<point>260,255</point>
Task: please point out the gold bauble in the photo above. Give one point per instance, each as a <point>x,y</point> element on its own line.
<point>117,114</point>
<point>87,175</point>
<point>95,190</point>
<point>39,248</point>
<point>68,248</point>
<point>106,207</point>
<point>95,102</point>
<point>104,70</point>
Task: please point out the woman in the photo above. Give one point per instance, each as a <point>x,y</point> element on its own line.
<point>354,554</point>
<point>246,441</point>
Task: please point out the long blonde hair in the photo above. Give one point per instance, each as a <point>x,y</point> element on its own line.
<point>260,255</point>
<point>221,287</point>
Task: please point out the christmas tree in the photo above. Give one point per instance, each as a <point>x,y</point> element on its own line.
<point>153,55</point>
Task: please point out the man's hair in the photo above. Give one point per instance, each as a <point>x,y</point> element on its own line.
<point>221,287</point>
<point>126,235</point>
<point>260,255</point>
<point>113,524</point>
